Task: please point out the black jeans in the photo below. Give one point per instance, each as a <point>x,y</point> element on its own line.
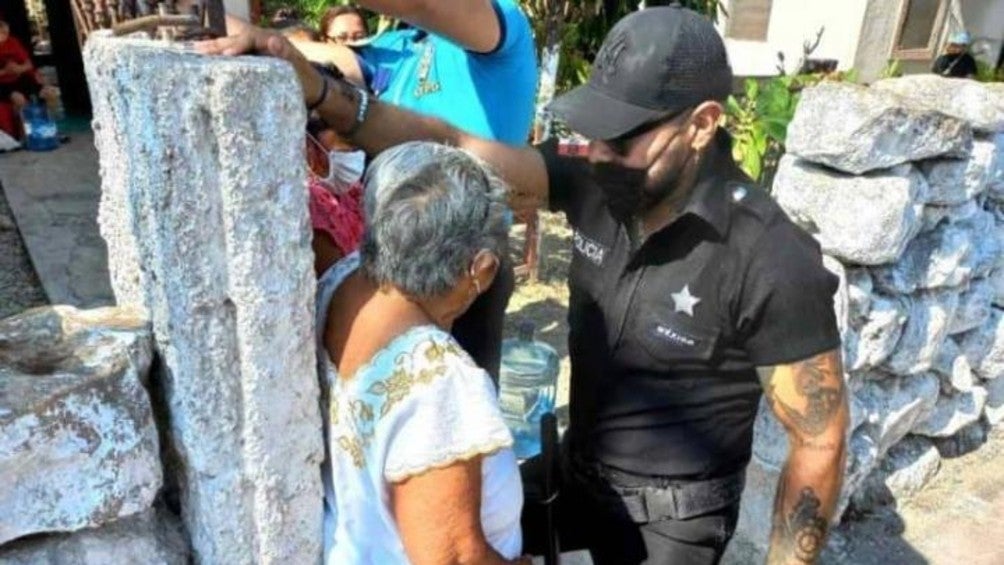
<point>586,519</point>
<point>479,329</point>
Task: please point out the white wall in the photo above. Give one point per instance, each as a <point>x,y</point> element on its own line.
<point>239,8</point>
<point>985,20</point>
<point>792,23</point>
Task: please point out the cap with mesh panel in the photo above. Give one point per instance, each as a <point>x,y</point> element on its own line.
<point>653,63</point>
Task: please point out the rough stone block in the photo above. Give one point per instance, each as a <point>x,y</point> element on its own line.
<point>955,181</point>
<point>947,256</point>
<point>953,368</point>
<point>995,184</point>
<point>875,337</point>
<point>926,329</point>
<point>996,279</point>
<point>859,292</point>
<point>894,406</point>
<point>153,537</point>
<point>204,208</point>
<point>994,408</point>
<point>970,101</point>
<point>908,467</point>
<point>856,129</point>
<point>969,439</point>
<point>78,445</point>
<point>974,307</point>
<point>952,413</point>
<point>984,347</point>
<point>866,220</point>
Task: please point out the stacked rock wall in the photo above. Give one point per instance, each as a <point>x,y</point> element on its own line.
<point>902,184</point>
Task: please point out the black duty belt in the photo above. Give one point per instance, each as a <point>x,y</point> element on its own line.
<point>664,498</point>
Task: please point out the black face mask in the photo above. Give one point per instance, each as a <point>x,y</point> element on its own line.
<point>625,190</point>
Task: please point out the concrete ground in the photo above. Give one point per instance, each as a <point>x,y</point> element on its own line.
<point>54,198</point>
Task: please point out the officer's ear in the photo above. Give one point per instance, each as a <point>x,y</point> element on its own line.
<point>704,120</point>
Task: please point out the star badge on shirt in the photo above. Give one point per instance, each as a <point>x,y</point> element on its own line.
<point>684,302</point>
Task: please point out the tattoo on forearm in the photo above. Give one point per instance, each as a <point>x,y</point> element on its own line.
<point>822,400</point>
<point>805,528</point>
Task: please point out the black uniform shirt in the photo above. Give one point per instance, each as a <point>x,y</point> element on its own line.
<point>664,339</point>
<point>961,65</point>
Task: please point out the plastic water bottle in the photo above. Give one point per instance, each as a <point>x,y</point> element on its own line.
<point>40,133</point>
<point>528,384</point>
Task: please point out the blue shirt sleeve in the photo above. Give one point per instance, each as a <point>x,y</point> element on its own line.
<point>514,27</point>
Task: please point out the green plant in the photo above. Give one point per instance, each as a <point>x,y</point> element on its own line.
<point>758,121</point>
<point>893,69</point>
<point>985,72</point>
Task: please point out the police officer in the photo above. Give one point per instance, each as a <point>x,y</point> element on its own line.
<point>691,295</point>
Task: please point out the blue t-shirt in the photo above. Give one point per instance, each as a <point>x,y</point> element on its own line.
<point>486,94</point>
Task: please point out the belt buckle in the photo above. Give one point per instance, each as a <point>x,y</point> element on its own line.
<point>661,503</point>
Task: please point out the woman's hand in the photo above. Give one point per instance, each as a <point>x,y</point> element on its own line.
<point>251,40</point>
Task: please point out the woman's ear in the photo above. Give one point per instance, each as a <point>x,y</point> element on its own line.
<point>484,267</point>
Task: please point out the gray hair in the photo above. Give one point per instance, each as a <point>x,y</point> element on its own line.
<point>429,210</point>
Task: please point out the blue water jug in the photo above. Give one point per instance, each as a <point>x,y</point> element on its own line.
<point>527,388</point>
<point>40,133</point>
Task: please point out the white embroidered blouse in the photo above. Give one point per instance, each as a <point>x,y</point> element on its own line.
<point>419,404</point>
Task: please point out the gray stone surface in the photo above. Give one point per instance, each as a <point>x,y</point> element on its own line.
<point>995,185</point>
<point>78,445</point>
<point>952,413</point>
<point>984,347</point>
<point>217,249</point>
<point>875,337</point>
<point>926,328</point>
<point>907,468</point>
<point>893,406</point>
<point>994,408</point>
<point>152,537</point>
<point>953,368</point>
<point>971,101</point>
<point>859,292</point>
<point>856,129</point>
<point>954,181</point>
<point>19,285</point>
<point>864,220</point>
<point>974,307</point>
<point>54,196</point>
<point>947,256</point>
<point>996,279</point>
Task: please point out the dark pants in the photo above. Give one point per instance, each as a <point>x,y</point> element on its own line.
<point>588,517</point>
<point>479,330</point>
<point>25,84</point>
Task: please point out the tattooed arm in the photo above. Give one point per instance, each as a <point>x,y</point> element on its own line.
<point>810,400</point>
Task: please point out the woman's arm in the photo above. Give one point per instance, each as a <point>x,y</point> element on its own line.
<point>439,516</point>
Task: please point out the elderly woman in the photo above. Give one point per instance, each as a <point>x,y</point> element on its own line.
<point>421,468</point>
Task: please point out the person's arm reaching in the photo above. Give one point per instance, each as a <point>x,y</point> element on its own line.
<point>384,125</point>
<point>810,400</point>
<point>473,24</point>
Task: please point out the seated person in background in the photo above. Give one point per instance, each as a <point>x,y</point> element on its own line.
<point>420,466</point>
<point>18,79</point>
<point>956,61</point>
<point>343,25</point>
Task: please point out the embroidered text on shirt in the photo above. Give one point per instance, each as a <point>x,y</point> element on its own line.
<point>674,336</point>
<point>589,248</point>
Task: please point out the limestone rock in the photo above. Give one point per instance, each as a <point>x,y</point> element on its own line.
<point>996,279</point>
<point>909,466</point>
<point>153,537</point>
<point>926,329</point>
<point>78,445</point>
<point>974,307</point>
<point>995,184</point>
<point>949,255</point>
<point>952,413</point>
<point>876,336</point>
<point>970,101</point>
<point>856,129</point>
<point>955,181</point>
<point>994,408</point>
<point>894,406</point>
<point>859,292</point>
<point>866,220</point>
<point>969,439</point>
<point>984,346</point>
<point>204,210</point>
<point>862,458</point>
<point>953,368</point>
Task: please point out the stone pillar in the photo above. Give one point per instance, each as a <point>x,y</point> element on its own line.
<point>204,209</point>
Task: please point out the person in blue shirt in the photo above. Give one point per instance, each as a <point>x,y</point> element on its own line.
<point>470,63</point>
